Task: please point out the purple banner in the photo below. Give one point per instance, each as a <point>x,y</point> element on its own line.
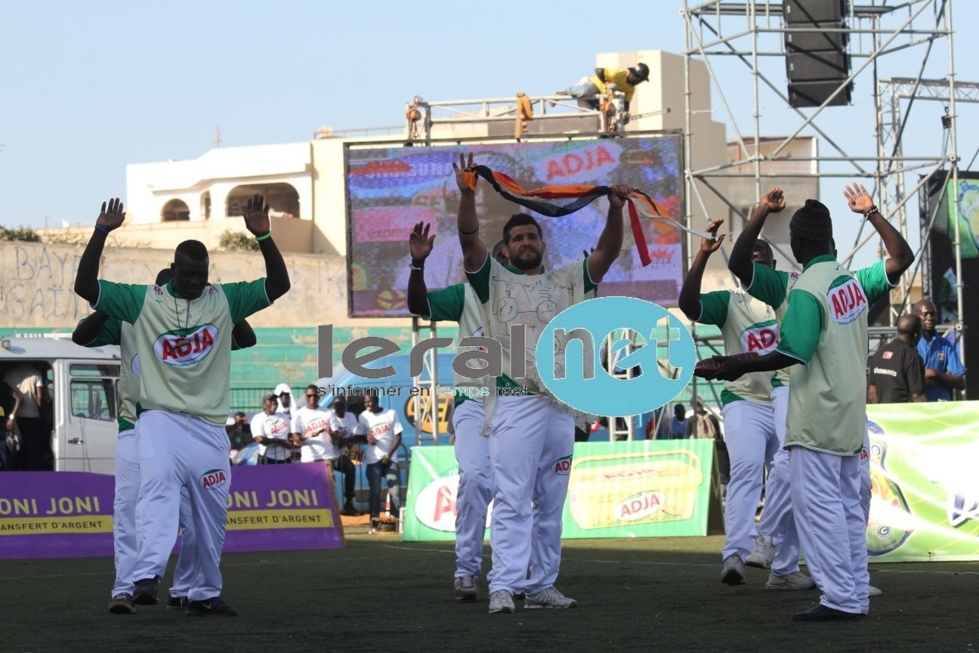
<point>69,514</point>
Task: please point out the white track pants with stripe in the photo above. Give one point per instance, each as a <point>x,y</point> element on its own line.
<point>749,431</point>
<point>777,520</point>
<point>530,450</point>
<point>182,451</point>
<point>475,486</point>
<point>827,499</point>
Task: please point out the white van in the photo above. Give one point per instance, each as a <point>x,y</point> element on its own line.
<point>81,386</point>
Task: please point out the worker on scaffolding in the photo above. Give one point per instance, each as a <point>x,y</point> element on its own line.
<point>589,90</point>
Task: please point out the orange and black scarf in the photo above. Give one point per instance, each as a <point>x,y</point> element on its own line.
<point>547,202</point>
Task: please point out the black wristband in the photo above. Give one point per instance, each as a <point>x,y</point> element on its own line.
<point>419,268</point>
<point>873,209</point>
<point>469,233</point>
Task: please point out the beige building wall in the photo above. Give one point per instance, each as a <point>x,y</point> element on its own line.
<point>37,285</point>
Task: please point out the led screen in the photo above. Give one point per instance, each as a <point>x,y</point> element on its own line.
<point>389,189</point>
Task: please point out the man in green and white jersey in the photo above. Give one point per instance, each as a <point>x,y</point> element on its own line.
<point>747,326</point>
<point>824,340</point>
<point>458,303</point>
<point>183,340</point>
<point>776,542</point>
<point>532,434</point>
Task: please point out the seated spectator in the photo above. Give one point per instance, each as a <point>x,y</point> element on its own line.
<point>271,430</point>
<point>239,433</point>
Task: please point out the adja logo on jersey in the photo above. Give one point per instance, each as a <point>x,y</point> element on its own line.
<point>847,301</point>
<point>759,339</point>
<point>639,505</point>
<point>189,349</point>
<point>562,466</point>
<point>213,479</point>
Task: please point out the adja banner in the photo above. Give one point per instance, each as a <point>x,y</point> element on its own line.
<point>69,514</point>
<point>650,488</point>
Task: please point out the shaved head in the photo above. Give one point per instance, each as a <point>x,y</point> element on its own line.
<point>909,326</point>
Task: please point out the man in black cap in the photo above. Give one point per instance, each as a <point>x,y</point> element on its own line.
<point>589,88</point>
<point>824,340</point>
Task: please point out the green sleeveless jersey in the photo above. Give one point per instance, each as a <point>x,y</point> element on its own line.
<point>460,304</point>
<point>184,346</point>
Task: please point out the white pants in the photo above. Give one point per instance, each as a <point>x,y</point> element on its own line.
<point>827,499</point>
<point>777,520</point>
<point>182,451</point>
<point>749,431</point>
<point>530,450</point>
<point>124,524</point>
<point>475,486</point>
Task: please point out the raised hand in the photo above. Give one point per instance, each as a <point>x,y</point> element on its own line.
<point>711,245</point>
<point>617,195</point>
<point>773,201</point>
<point>419,242</point>
<point>462,168</point>
<point>112,215</point>
<point>859,199</point>
<point>256,216</point>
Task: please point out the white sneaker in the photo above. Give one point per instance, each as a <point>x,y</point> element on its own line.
<point>732,573</point>
<point>763,555</point>
<point>794,581</point>
<point>549,598</point>
<point>501,601</point>
<point>874,591</point>
<point>465,588</point>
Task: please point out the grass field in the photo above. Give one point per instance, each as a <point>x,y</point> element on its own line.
<point>380,594</point>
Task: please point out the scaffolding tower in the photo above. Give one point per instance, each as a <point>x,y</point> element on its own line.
<point>753,34</point>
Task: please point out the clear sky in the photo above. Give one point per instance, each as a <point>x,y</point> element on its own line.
<point>89,87</point>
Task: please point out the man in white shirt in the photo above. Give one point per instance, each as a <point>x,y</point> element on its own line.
<point>271,431</point>
<point>319,432</point>
<point>383,430</point>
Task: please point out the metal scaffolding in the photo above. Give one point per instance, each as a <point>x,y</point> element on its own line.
<point>753,33</point>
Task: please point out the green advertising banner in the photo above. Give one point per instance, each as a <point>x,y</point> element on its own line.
<point>923,462</point>
<point>649,488</point>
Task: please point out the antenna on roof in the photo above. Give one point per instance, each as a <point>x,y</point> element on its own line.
<point>217,136</point>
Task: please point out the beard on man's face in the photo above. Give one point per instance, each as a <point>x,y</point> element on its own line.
<point>527,259</point>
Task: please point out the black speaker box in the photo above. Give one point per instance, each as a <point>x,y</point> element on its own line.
<point>817,65</point>
<point>813,11</point>
<point>813,94</point>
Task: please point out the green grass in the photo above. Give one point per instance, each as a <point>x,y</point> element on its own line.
<point>380,594</point>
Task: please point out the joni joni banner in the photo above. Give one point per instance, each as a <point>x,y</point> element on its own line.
<point>390,189</point>
<point>69,514</point>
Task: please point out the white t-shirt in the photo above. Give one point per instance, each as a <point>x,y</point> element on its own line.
<point>318,447</point>
<point>274,427</point>
<point>384,426</point>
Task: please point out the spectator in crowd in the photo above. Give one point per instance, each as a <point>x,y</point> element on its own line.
<point>383,430</point>
<point>895,374</point>
<point>10,441</point>
<point>678,425</point>
<point>270,428</point>
<point>239,433</point>
<point>704,423</point>
<point>287,406</point>
<point>943,369</point>
<point>35,453</point>
<point>343,427</point>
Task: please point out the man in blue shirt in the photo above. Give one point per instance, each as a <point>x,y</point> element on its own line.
<point>943,369</point>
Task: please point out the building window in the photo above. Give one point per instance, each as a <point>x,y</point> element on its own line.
<point>283,199</point>
<point>175,210</point>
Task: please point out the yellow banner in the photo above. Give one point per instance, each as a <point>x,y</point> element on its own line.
<point>49,525</point>
<point>248,520</point>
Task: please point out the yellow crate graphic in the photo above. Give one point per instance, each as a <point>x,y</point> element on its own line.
<point>630,489</point>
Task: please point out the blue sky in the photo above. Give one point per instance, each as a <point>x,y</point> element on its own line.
<point>88,88</point>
